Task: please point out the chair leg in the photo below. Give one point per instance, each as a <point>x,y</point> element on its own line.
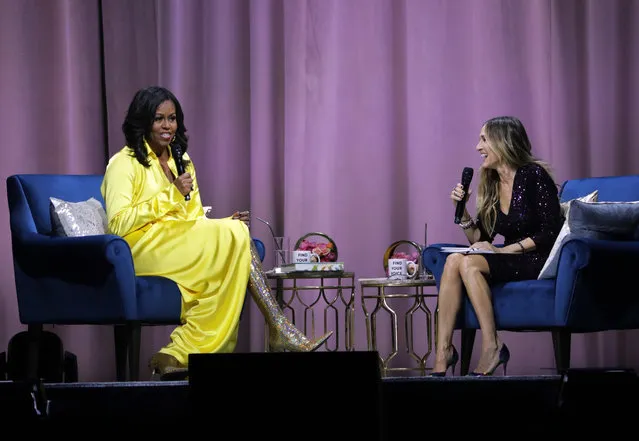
<point>35,338</point>
<point>467,343</point>
<point>127,351</point>
<point>121,350</point>
<point>70,367</point>
<point>561,344</point>
<point>3,366</point>
<point>135,331</point>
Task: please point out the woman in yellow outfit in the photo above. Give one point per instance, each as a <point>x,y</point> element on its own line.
<point>213,261</point>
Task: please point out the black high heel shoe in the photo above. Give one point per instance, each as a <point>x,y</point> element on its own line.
<point>504,357</point>
<point>452,362</point>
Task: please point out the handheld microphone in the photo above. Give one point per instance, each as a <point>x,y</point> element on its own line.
<point>177,153</point>
<point>467,176</point>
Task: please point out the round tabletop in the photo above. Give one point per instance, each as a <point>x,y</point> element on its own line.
<point>310,275</point>
<point>385,281</point>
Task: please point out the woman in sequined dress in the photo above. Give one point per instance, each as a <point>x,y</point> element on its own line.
<point>212,261</point>
<point>517,198</point>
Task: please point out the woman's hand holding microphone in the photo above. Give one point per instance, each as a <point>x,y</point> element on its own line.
<point>458,194</point>
<point>184,183</point>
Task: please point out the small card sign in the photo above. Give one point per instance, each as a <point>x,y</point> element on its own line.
<point>305,257</point>
<point>397,269</point>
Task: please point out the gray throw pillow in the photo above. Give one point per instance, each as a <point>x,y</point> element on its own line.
<point>75,219</point>
<point>605,220</point>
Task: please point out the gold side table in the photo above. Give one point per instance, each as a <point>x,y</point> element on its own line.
<point>381,290</point>
<point>332,291</point>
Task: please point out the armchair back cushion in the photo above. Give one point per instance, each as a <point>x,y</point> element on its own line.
<point>610,188</point>
<point>30,204</point>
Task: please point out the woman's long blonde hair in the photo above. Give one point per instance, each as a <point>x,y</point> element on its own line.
<point>510,142</point>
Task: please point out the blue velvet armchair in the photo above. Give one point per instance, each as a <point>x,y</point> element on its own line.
<point>86,280</point>
<point>594,289</point>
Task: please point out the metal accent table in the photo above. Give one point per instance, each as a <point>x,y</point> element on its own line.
<point>383,290</point>
<point>330,290</point>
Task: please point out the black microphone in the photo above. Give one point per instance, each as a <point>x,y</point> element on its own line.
<point>467,176</point>
<point>177,153</point>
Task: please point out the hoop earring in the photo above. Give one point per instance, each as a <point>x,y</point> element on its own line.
<point>173,140</point>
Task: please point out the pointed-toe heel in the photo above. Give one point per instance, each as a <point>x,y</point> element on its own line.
<point>451,363</point>
<point>320,341</point>
<point>165,367</point>
<point>294,341</point>
<point>175,374</point>
<point>504,357</point>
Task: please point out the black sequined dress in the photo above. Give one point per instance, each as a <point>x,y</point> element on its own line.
<point>534,212</point>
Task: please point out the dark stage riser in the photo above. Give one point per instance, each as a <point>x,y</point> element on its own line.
<point>333,396</point>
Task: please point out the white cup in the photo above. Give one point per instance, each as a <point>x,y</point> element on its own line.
<point>411,269</point>
<point>300,256</point>
<point>397,269</point>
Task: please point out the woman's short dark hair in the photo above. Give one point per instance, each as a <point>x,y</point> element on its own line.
<point>139,120</point>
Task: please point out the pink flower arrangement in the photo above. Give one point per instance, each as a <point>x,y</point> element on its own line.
<point>326,251</point>
<point>401,255</point>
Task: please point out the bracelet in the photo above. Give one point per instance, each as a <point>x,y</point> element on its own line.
<point>468,224</point>
<point>523,250</point>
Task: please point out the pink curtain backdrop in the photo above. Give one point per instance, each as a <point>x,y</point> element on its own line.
<point>349,117</point>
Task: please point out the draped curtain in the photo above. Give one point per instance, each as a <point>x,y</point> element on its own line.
<point>349,117</point>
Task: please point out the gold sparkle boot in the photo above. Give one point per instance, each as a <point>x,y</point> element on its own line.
<point>283,335</point>
<point>166,367</point>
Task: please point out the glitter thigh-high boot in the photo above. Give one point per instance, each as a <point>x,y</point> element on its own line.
<point>283,335</point>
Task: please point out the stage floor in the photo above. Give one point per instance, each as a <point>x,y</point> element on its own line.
<point>408,407</point>
<point>331,396</point>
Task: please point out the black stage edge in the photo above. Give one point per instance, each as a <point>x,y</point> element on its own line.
<point>318,393</point>
<point>330,395</point>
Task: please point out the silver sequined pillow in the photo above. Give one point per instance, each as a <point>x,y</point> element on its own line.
<point>75,219</point>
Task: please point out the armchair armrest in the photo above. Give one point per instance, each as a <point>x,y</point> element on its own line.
<point>88,279</point>
<point>594,286</point>
<point>59,276</point>
<point>41,255</point>
<point>433,259</point>
<point>75,259</point>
